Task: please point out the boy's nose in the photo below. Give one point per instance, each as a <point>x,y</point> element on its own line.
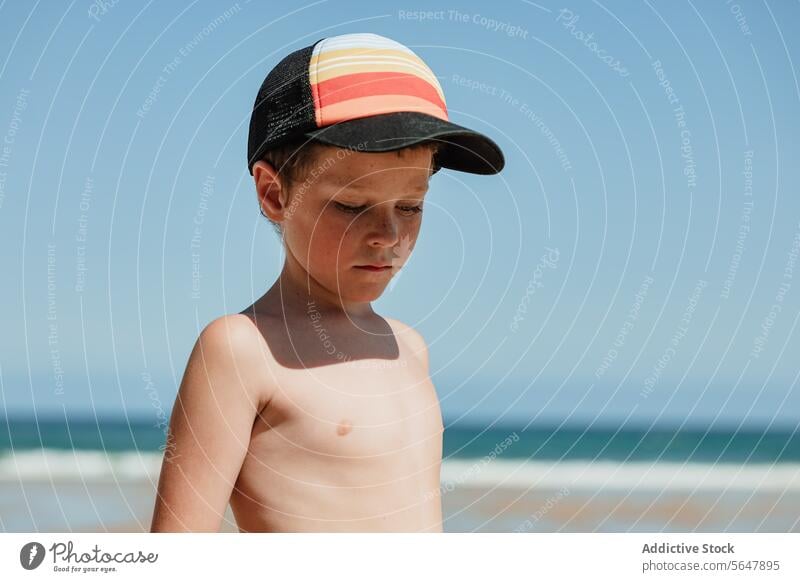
<point>383,226</point>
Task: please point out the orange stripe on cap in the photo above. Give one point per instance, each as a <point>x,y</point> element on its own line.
<point>359,75</point>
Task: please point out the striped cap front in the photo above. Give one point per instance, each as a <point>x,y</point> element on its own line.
<point>365,92</point>
<point>353,76</point>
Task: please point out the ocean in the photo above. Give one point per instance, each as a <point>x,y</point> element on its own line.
<point>460,442</point>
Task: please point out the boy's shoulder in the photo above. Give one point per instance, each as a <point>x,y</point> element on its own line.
<point>226,358</point>
<point>411,337</point>
<point>236,329</point>
<point>231,339</point>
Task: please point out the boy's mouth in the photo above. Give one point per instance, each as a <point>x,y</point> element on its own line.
<point>374,267</point>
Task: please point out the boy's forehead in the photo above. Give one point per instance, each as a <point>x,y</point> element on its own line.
<point>361,170</point>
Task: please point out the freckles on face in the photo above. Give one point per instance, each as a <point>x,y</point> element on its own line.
<point>362,211</point>
<point>349,234</point>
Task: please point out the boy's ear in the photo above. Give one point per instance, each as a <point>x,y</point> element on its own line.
<point>272,196</point>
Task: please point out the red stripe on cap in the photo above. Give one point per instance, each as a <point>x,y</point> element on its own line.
<point>357,85</point>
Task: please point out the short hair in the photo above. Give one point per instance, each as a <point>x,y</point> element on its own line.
<point>293,159</point>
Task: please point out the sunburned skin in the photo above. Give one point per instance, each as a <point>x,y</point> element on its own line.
<point>307,411</point>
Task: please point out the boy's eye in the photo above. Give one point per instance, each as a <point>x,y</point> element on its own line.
<point>410,210</point>
<point>407,210</point>
<point>350,209</point>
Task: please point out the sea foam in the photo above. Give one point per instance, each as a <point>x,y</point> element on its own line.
<point>61,465</point>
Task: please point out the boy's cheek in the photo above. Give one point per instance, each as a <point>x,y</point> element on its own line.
<point>329,250</point>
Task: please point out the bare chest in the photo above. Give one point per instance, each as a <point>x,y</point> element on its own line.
<point>368,409</point>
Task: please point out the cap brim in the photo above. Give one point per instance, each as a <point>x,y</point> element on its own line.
<point>462,149</point>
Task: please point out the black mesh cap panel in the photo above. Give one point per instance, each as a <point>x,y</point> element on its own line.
<point>284,107</point>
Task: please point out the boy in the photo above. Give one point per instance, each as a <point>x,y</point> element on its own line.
<point>308,411</point>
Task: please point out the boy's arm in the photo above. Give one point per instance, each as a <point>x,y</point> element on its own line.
<point>209,432</point>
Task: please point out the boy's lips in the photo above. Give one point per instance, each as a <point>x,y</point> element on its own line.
<point>378,267</point>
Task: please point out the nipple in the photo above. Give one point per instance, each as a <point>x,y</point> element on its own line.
<point>345,426</point>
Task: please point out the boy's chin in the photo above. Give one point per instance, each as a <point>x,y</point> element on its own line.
<point>366,293</point>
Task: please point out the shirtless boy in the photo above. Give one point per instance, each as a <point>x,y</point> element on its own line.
<point>308,411</point>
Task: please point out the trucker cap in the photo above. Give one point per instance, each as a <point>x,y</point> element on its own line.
<point>366,92</point>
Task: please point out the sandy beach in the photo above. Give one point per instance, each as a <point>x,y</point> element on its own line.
<point>126,506</point>
<point>60,491</point>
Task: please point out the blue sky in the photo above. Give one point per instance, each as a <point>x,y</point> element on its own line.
<point>623,267</point>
